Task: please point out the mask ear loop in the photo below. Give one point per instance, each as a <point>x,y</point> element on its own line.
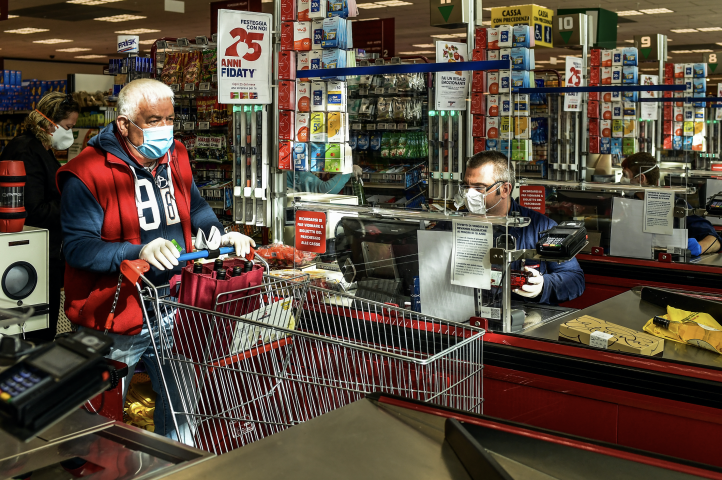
<point>643,173</point>
<point>46,118</point>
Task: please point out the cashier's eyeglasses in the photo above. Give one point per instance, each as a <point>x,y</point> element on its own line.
<point>482,189</point>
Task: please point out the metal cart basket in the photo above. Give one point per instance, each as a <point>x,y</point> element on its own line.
<point>275,355</point>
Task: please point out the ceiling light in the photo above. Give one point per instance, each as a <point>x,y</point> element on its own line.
<point>629,41</point>
<point>681,51</point>
<point>652,11</point>
<point>418,52</point>
<point>51,41</point>
<point>706,50</point>
<point>12,16</point>
<point>710,29</point>
<point>367,19</point>
<point>683,30</point>
<point>92,2</point>
<point>25,31</point>
<point>137,31</point>
<point>91,56</point>
<point>74,49</point>
<point>424,45</point>
<point>509,6</point>
<point>120,18</point>
<point>449,35</point>
<point>147,42</point>
<point>486,22</point>
<point>629,13</point>
<point>369,5</point>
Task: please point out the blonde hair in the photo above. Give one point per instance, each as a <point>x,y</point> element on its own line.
<point>55,106</point>
<point>146,89</point>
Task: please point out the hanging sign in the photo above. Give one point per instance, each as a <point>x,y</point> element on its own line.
<point>451,87</point>
<point>244,57</point>
<point>533,197</point>
<point>574,77</point>
<point>538,18</point>
<point>311,231</point>
<point>648,110</point>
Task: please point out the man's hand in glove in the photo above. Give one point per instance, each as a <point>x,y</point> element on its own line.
<point>534,286</point>
<point>240,242</point>
<point>694,247</point>
<point>160,253</point>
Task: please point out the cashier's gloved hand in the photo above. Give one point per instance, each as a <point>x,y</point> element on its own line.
<point>240,242</point>
<point>534,285</point>
<point>357,171</point>
<point>694,247</point>
<point>160,253</point>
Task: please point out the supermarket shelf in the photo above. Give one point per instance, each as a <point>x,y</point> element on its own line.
<point>216,203</point>
<point>599,187</point>
<point>391,185</point>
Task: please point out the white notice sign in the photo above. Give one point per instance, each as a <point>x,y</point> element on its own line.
<point>244,57</point>
<point>470,265</point>
<point>451,87</point>
<point>648,110</point>
<point>574,77</point>
<point>658,206</point>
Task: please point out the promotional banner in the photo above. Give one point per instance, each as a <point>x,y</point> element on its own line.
<point>539,18</point>
<point>574,77</point>
<point>648,110</point>
<point>451,87</point>
<point>718,110</point>
<point>244,57</point>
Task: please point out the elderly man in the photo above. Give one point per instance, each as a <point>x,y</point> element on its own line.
<point>488,184</point>
<point>127,196</point>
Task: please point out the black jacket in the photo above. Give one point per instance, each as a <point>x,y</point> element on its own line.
<point>42,199</point>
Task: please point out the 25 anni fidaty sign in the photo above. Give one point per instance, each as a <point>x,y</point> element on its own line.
<point>244,57</point>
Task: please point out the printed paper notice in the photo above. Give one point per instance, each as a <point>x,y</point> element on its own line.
<point>470,265</point>
<point>574,77</point>
<point>451,87</point>
<point>658,217</point>
<point>648,110</point>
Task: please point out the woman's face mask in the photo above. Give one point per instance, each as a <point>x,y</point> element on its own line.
<point>61,139</point>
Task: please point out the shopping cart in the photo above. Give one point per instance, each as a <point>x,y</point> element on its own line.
<point>274,355</point>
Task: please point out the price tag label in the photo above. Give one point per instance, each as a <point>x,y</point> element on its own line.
<point>123,69</point>
<point>381,126</point>
<point>204,125</point>
<point>355,126</point>
<point>189,125</point>
<point>393,90</point>
<point>490,313</point>
<point>379,90</point>
<point>205,86</point>
<point>176,125</point>
<point>402,126</point>
<point>363,92</point>
<point>370,126</point>
<point>189,87</point>
<point>175,87</point>
<point>599,339</point>
<point>214,78</point>
<point>391,126</point>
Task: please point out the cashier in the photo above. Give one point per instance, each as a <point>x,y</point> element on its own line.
<point>308,182</point>
<point>488,184</point>
<point>641,168</point>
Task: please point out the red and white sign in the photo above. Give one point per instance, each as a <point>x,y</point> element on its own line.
<point>244,57</point>
<point>311,231</point>
<point>574,77</point>
<point>533,197</point>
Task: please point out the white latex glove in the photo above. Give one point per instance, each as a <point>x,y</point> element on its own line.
<point>212,242</point>
<point>241,243</point>
<point>160,253</point>
<point>357,172</point>
<point>534,286</point>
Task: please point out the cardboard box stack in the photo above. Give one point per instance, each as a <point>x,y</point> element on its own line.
<point>314,129</point>
<point>684,124</point>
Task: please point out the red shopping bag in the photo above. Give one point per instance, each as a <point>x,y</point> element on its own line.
<point>203,337</point>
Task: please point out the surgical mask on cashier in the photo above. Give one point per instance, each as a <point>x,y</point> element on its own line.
<point>476,201</point>
<point>61,139</point>
<point>156,140</point>
<point>625,180</point>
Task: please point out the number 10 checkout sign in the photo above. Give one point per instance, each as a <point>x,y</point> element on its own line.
<point>244,57</point>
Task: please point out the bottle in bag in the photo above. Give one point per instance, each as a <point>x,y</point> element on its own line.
<point>221,274</point>
<point>247,267</point>
<point>237,271</point>
<point>217,265</point>
<point>197,267</point>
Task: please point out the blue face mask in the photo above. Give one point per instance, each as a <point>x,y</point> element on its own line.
<point>156,141</point>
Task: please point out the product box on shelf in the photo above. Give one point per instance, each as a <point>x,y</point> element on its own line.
<point>594,77</point>
<point>617,128</point>
<point>595,96</point>
<point>286,95</point>
<point>616,75</point>
<point>303,60</point>
<point>478,82</point>
<point>629,56</point>
<point>630,127</point>
<point>478,55</point>
<point>606,110</point>
<point>687,128</point>
<point>317,31</point>
<point>478,126</point>
<point>669,70</point>
<point>288,10</point>
<point>699,143</point>
<point>630,75</point>
<point>335,33</point>
<point>336,127</point>
<point>286,125</point>
<point>617,57</point>
<point>678,128</point>
<point>287,65</point>
<point>667,142</point>
<point>606,75</point>
<point>492,106</point>
<point>504,81</point>
<point>505,36</point>
<point>480,38</point>
<point>594,127</point>
<point>492,82</point>
<point>303,10</point>
<point>492,127</point>
<point>287,34</point>
<point>595,59</point>
<point>301,131</point>
<point>317,127</point>
<point>504,105</point>
<point>521,58</point>
<point>629,110</point>
<point>667,111</point>
<point>700,87</point>
<point>522,79</point>
<point>605,145</point>
<point>318,96</point>
<point>679,70</point>
<point>522,128</point>
<point>300,157</point>
<point>317,156</point>
<point>334,58</point>
<point>492,39</point>
<point>285,153</point>
<point>479,145</point>
<point>629,96</point>
<point>699,70</point>
<point>521,104</point>
<point>605,128</point>
<point>522,36</point>
<point>687,113</point>
<point>606,60</point>
<point>504,54</point>
<point>478,104</point>
<point>336,96</point>
<point>317,9</point>
<point>593,109</point>
<point>616,145</point>
<point>506,128</point>
<point>629,147</point>
<point>492,55</point>
<point>302,36</point>
<point>303,96</point>
<point>491,144</point>
<point>688,70</point>
<point>593,144</point>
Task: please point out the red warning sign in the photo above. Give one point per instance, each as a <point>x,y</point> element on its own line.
<point>311,231</point>
<point>533,197</point>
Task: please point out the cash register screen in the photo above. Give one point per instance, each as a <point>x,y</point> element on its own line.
<point>58,361</point>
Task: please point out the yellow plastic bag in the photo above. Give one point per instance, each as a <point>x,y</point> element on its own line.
<point>692,328</point>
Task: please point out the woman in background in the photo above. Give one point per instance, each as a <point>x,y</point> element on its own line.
<point>47,128</point>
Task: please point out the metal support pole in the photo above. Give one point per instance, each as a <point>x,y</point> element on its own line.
<point>278,177</point>
<point>582,126</point>
<point>657,144</point>
<point>506,293</point>
<point>470,44</point>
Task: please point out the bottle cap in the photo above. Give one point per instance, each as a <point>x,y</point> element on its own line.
<point>237,271</point>
<point>221,274</point>
<point>217,264</point>
<point>197,267</point>
<point>248,266</point>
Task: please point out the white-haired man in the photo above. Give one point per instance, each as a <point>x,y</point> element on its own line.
<point>127,196</point>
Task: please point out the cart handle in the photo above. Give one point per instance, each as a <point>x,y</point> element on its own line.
<point>186,257</point>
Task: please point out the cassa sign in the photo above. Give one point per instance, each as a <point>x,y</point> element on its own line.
<point>244,57</point>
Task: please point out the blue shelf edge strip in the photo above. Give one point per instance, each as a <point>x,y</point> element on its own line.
<point>406,68</point>
<point>603,89</point>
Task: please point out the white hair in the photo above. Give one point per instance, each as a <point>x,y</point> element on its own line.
<point>146,89</point>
